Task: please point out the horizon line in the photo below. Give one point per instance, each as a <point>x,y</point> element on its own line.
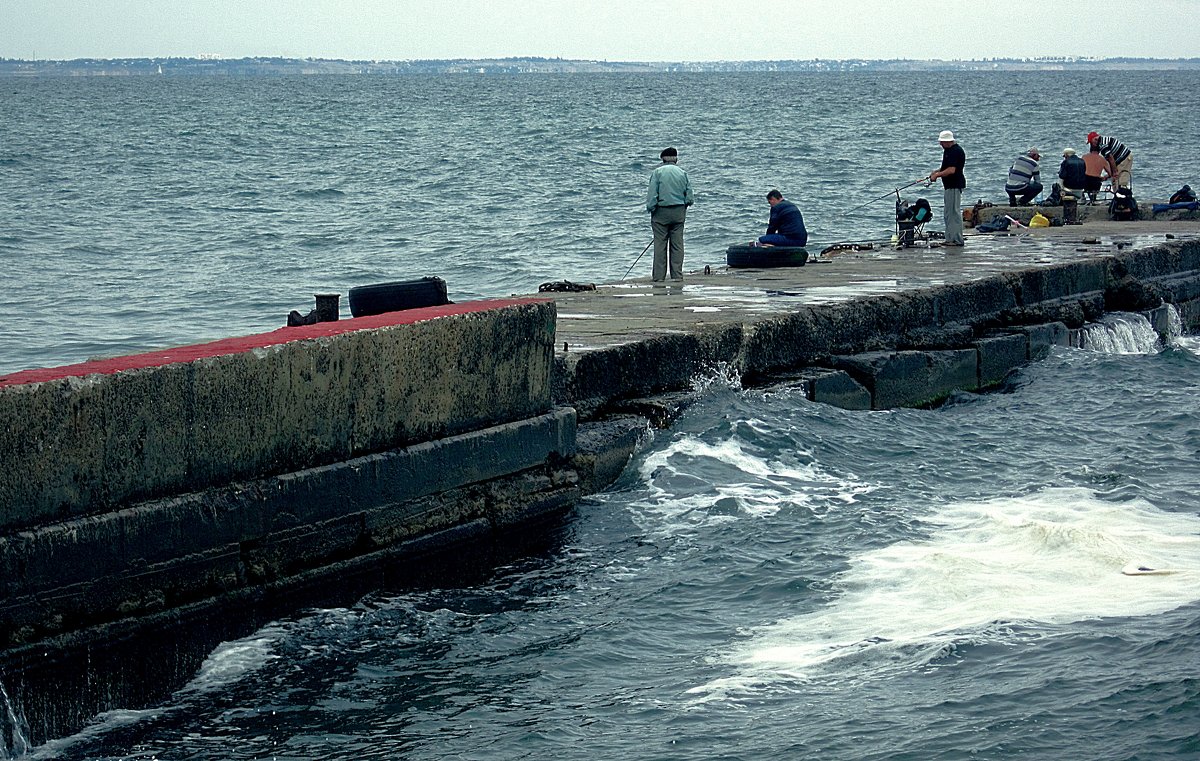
<point>988,59</point>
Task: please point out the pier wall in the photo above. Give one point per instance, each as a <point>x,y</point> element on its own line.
<point>962,336</point>
<point>138,484</point>
<point>141,485</point>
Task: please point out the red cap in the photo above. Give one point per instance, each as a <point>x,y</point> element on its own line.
<point>1092,136</point>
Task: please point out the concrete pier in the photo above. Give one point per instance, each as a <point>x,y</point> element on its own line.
<point>190,477</point>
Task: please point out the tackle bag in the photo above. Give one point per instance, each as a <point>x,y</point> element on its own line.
<point>1123,206</point>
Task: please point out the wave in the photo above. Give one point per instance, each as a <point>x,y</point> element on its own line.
<point>320,193</point>
<point>987,571</point>
<point>228,664</point>
<point>742,478</point>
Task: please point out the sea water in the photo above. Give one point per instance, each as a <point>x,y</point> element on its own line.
<point>143,212</point>
<point>769,578</point>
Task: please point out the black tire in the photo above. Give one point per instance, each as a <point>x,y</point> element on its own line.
<point>766,256</point>
<point>366,300</point>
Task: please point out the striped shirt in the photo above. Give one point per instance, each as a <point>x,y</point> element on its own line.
<point>1024,170</point>
<point>1112,148</point>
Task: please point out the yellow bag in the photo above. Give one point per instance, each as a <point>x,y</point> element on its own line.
<point>1039,221</point>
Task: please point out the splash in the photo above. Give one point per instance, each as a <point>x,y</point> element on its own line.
<point>722,375</point>
<point>13,729</point>
<point>1057,557</point>
<point>1121,333</point>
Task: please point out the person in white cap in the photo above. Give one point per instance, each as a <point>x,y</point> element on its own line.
<point>1073,173</point>
<point>954,158</point>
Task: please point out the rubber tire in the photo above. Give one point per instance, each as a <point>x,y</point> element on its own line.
<point>765,257</point>
<point>366,300</point>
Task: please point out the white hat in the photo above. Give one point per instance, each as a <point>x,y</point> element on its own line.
<point>1068,151</point>
<point>946,137</point>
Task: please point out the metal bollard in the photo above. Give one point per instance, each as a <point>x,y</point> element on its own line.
<point>327,306</point>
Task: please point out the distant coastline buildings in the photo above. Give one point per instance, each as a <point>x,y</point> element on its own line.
<point>212,64</point>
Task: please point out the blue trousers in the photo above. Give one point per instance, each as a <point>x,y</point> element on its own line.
<point>778,239</point>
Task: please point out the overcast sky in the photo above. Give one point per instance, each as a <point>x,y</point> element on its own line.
<point>630,30</point>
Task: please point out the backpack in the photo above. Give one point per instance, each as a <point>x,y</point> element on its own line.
<point>1183,195</point>
<point>1055,197</point>
<point>1123,206</point>
<point>920,211</point>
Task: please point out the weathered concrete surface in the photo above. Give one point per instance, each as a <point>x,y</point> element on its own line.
<point>912,378</point>
<point>838,388</point>
<point>83,445</point>
<point>1000,355</point>
<point>637,338</point>
<point>169,552</point>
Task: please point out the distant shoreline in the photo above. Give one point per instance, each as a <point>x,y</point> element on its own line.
<point>270,66</point>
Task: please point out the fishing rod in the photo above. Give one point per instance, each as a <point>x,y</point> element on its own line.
<point>635,261</point>
<point>896,191</point>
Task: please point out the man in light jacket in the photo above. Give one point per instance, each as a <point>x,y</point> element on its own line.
<point>667,199</point>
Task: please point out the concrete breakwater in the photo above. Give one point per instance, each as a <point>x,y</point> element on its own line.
<point>141,485</point>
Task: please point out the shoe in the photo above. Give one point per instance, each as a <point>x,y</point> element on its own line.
<point>956,245</point>
<point>295,319</point>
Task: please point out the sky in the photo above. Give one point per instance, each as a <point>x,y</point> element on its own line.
<point>615,30</point>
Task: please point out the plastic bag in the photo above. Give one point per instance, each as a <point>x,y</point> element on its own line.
<point>1039,221</point>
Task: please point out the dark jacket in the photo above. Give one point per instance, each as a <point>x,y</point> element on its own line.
<point>786,219</point>
<point>1073,173</point>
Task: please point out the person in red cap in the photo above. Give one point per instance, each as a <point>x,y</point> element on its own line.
<point>1119,157</point>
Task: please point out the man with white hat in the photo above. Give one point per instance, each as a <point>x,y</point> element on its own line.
<point>954,158</point>
<point>1073,173</point>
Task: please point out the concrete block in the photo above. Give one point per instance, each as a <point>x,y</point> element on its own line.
<point>591,380</point>
<point>1042,337</point>
<point>838,389</point>
<point>605,448</point>
<point>1000,355</point>
<point>969,302</point>
<point>913,378</point>
<point>1160,320</point>
<point>83,445</point>
<point>1060,281</point>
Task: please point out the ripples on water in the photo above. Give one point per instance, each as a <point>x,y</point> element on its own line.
<point>772,578</point>
<point>145,212</point>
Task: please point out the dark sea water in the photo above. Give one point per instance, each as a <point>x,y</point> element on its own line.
<point>769,578</point>
<point>144,212</point>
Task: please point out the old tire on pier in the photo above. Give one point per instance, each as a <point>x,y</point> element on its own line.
<point>378,298</point>
<point>766,256</point>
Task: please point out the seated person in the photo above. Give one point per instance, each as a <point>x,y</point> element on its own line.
<point>1096,169</point>
<point>1024,178</point>
<point>1073,173</point>
<point>786,226</point>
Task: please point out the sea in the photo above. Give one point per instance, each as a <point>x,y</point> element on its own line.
<point>1014,574</point>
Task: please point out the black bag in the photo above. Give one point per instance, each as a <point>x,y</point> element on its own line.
<point>1183,195</point>
<point>1123,206</point>
<point>1055,197</point>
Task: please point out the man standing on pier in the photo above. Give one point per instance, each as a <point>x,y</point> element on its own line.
<point>1118,156</point>
<point>667,199</point>
<point>954,158</point>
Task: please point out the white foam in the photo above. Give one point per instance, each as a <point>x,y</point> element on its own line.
<point>766,485</point>
<point>1189,344</point>
<point>233,661</point>
<point>1053,558</point>
<point>1120,333</point>
<point>227,664</point>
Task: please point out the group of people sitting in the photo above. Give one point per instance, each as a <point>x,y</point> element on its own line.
<point>1082,177</point>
